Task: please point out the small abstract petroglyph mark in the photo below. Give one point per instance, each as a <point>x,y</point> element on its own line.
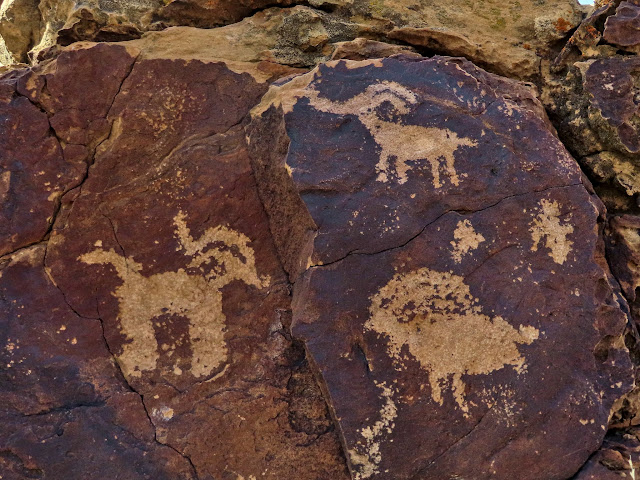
<point>366,455</point>
<point>435,316</point>
<point>547,225</point>
<point>220,256</point>
<point>466,239</point>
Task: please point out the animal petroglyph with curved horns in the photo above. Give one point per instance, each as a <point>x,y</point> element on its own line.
<point>220,256</point>
<point>405,143</point>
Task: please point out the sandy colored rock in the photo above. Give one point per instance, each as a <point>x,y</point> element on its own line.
<point>440,269</point>
<point>501,36</point>
<point>19,25</point>
<point>362,49</point>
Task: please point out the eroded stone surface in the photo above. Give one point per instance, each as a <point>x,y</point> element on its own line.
<point>33,172</point>
<point>167,244</point>
<point>506,37</point>
<point>594,105</point>
<point>51,125</point>
<point>618,458</point>
<point>623,28</point>
<point>404,119</point>
<point>444,249</point>
<point>446,253</point>
<point>62,392</point>
<point>613,86</point>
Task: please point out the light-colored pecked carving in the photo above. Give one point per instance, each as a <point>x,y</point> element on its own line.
<point>220,256</point>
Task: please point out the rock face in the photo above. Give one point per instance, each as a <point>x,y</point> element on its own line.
<point>623,28</point>
<point>199,330</point>
<point>502,36</point>
<point>430,247</point>
<point>289,240</point>
<point>62,392</point>
<point>618,457</point>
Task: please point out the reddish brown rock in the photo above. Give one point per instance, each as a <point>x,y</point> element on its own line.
<point>451,286</point>
<point>66,410</point>
<point>612,85</point>
<point>63,92</point>
<point>211,13</point>
<point>33,173</point>
<point>618,458</point>
<point>168,245</point>
<point>49,133</point>
<point>623,28</point>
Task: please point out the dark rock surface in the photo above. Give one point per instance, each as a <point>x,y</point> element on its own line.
<point>451,254</point>
<point>289,244</point>
<point>34,175</point>
<point>618,458</point>
<point>166,246</point>
<point>66,410</point>
<point>623,28</point>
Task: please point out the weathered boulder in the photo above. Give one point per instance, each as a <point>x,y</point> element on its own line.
<point>624,245</point>
<point>594,105</point>
<point>618,458</point>
<point>623,28</point>
<point>613,87</point>
<point>165,245</point>
<point>66,410</point>
<point>506,37</point>
<point>450,280</point>
<point>210,13</point>
<point>19,25</point>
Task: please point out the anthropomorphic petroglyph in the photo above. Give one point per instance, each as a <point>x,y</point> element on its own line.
<point>547,225</point>
<point>407,144</point>
<point>434,314</point>
<point>219,257</point>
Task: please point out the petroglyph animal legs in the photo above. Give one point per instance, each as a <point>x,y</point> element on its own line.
<point>220,256</point>
<point>405,143</point>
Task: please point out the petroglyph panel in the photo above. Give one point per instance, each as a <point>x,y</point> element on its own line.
<point>167,252</point>
<point>195,296</point>
<point>427,355</point>
<point>401,145</point>
<point>377,149</point>
<point>447,268</point>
